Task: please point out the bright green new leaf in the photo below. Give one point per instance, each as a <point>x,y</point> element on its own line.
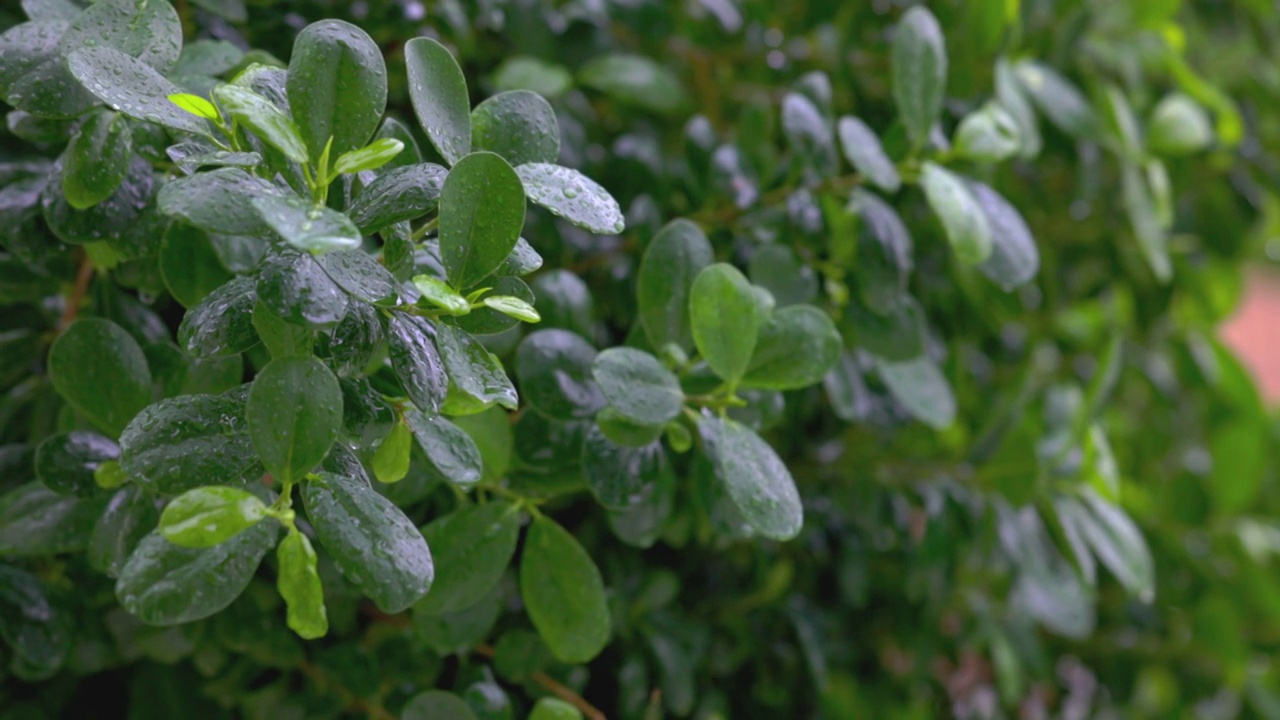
<point>97,159</point>
<point>298,583</point>
<point>637,386</point>
<point>208,516</point>
<point>474,546</point>
<point>514,307</point>
<point>482,210</point>
<point>962,216</point>
<point>438,91</point>
<point>563,593</point>
<point>439,294</point>
<point>294,411</point>
<point>550,708</point>
<point>197,106</point>
<point>725,317</point>
<point>919,72</point>
<point>573,196</point>
<point>518,125</point>
<point>756,479</point>
<point>337,86</point>
<point>391,457</point>
<point>100,370</point>
<point>262,117</point>
<point>370,157</point>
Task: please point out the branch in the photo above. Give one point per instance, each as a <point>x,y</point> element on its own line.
<point>84,275</point>
<point>555,688</point>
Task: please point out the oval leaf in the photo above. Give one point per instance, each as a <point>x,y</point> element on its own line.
<point>337,86</point>
<point>725,318</point>
<point>755,477</point>
<point>294,413</point>
<point>563,593</point>
<point>208,516</point>
<point>482,210</point>
<point>919,72</point>
<point>100,369</point>
<point>638,386</point>
<point>573,196</point>
<point>473,545</point>
<point>438,91</point>
<point>519,125</point>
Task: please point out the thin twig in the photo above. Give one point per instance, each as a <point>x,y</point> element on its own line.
<point>354,704</point>
<point>83,277</point>
<point>555,688</point>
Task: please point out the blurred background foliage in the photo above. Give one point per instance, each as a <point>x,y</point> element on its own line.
<point>936,576</point>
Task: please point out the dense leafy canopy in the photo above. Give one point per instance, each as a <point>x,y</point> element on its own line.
<point>716,359</point>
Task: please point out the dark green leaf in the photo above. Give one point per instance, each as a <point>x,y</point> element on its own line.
<point>220,201</point>
<point>1014,258</point>
<point>638,386</point>
<point>809,134</point>
<point>637,81</point>
<point>621,476</point>
<point>518,125</point>
<point>573,196</point>
<point>281,339</point>
<point>897,336</point>
<point>359,274</point>
<point>312,229</point>
<point>473,545</point>
<point>563,593</point>
<point>919,72</point>
<point>756,479</point>
<point>673,259</point>
<point>190,266</point>
<point>164,584</point>
<point>260,115</point>
<point>378,549</point>
<point>438,91</point>
<point>130,514</point>
<point>554,370</point>
<point>36,521</point>
<point>208,516</point>
<point>403,193</point>
<point>522,260</point>
<point>564,301</point>
<point>1059,99</point>
<point>98,368</point>
<point>294,412</point>
<point>299,584</point>
<point>450,450</point>
<point>416,361</point>
<point>33,627</point>
<point>131,87</point>
<point>884,260</point>
<point>337,86</point>
<point>188,441</point>
<point>437,705</point>
<point>474,373</point>
<point>549,708</point>
<point>796,347</point>
<point>725,317</point>
<point>96,160</point>
<point>393,129</point>
<point>481,214</point>
<point>777,269</point>
<point>66,463</point>
<point>295,287</point>
<point>221,325</point>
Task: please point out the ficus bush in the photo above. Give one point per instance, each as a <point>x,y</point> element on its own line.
<point>345,385</point>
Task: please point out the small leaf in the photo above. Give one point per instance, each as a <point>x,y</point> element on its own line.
<point>554,369</point>
<point>482,210</point>
<point>316,230</point>
<point>391,457</point>
<point>573,196</point>
<point>726,318</point>
<point>298,583</point>
<point>370,157</point>
<point>184,442</point>
<point>337,86</point>
<point>922,389</point>
<point>451,452</point>
<point>919,72</point>
<point>638,386</point>
<point>262,117</point>
<point>987,135</point>
<point>438,91</point>
<point>884,253</point>
<point>755,477</point>
<point>863,150</point>
<point>416,361</point>
<point>808,134</point>
<point>519,72</point>
<point>165,584</point>
<point>962,216</point>
<point>796,348</point>
<point>549,708</point>
<point>1178,126</point>
<point>1014,260</point>
<point>514,307</point>
<point>438,294</point>
<point>563,593</point>
<point>474,547</point>
<point>518,125</point>
<point>100,370</point>
<point>294,411</point>
<point>522,260</point>
<point>207,516</point>
<point>377,548</point>
<point>673,259</point>
<point>96,160</point>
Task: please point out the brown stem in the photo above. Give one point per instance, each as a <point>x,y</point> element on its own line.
<point>555,688</point>
<point>83,276</point>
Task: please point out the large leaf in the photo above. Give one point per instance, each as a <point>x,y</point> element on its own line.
<point>452,453</point>
<point>919,72</point>
<point>36,521</point>
<point>726,317</point>
<point>312,229</point>
<point>755,477</point>
<point>294,286</point>
<point>673,259</point>
<point>473,547</point>
<point>481,214</point>
<point>638,386</point>
<point>563,593</point>
<point>100,369</point>
<point>220,201</point>
<point>416,361</point>
<point>518,125</point>
<point>188,441</point>
<point>294,413</point>
<point>337,86</point>
<point>378,549</point>
<point>795,349</point>
<point>132,87</point>
<point>403,193</point>
<point>96,160</point>
<point>572,196</point>
<point>438,91</point>
<point>164,584</point>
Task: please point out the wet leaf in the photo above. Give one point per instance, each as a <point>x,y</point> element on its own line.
<point>438,91</point>
<point>554,370</point>
<point>563,593</point>
<point>573,196</point>
<point>474,545</point>
<point>482,210</point>
<point>337,86</point>
<point>299,584</point>
<point>208,516</point>
<point>184,442</point>
<point>518,125</point>
<point>100,369</point>
<point>756,479</point>
<point>294,412</point>
<point>726,318</point>
<point>637,386</point>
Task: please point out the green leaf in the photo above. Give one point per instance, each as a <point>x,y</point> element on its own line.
<point>130,514</point>
<point>518,125</point>
<point>35,630</point>
<point>474,546</point>
<point>294,413</point>
<point>370,157</point>
<point>520,72</point>
<point>184,442</point>
<point>393,129</point>
<point>403,193</point>
<point>919,72</point>
<point>1140,205</point>
<point>638,386</point>
<point>563,593</point>
<point>554,370</point>
<point>482,210</point>
<point>621,476</point>
<point>438,91</point>
<point>360,275</point>
<point>218,202</point>
<point>789,280</point>
<point>513,307</point>
<point>522,260</point>
<point>131,87</point>
<point>452,453</point>
<point>96,160</point>
<point>549,708</point>
<point>1058,98</point>
<point>316,230</point>
<point>808,134</point>
<point>66,463</point>
<point>437,293</point>
<point>207,516</point>
<point>165,584</point>
<point>922,389</point>
<point>207,57</point>
<point>962,216</point>
<point>1013,99</point>
<point>884,253</point>
<point>416,361</point>
<point>474,373</point>
<point>897,336</point>
<point>755,477</point>
<point>295,287</point>
<point>1178,126</point>
<point>673,259</point>
<point>298,583</point>
<point>1014,259</point>
<point>625,431</point>
<point>573,196</point>
<point>391,457</point>
<point>189,265</point>
<point>36,521</point>
<point>437,705</point>
<point>796,348</point>
<point>377,548</point>
<point>637,81</point>
<point>221,325</point>
<point>262,117</point>
<point>337,86</point>
<point>282,339</point>
<point>864,152</point>
<point>987,135</point>
<point>564,301</point>
<point>100,369</point>
<point>725,318</point>
<point>1118,544</point>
